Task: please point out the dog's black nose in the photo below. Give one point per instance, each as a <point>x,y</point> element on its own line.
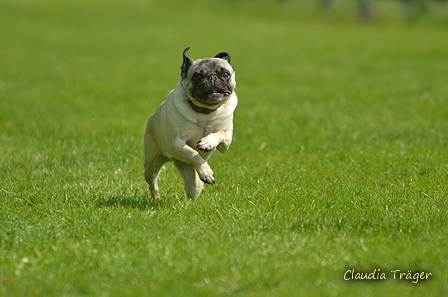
<point>213,78</point>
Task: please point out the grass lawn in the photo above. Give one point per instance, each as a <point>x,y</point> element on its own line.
<point>339,159</point>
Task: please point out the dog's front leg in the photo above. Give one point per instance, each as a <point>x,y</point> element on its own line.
<point>220,140</point>
<point>188,155</point>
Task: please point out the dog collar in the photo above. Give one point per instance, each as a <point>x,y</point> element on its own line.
<point>201,109</point>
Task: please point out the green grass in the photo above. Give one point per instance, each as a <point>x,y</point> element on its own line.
<point>339,159</point>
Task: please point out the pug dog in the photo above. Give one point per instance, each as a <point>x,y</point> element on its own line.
<point>194,121</point>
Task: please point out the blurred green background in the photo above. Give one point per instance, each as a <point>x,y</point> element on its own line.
<point>338,160</point>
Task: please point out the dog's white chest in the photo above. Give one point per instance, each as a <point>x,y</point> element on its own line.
<point>193,135</point>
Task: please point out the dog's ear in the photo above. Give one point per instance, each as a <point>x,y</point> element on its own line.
<point>186,63</point>
<point>224,56</point>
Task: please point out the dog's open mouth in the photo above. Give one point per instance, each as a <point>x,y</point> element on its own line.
<point>213,96</point>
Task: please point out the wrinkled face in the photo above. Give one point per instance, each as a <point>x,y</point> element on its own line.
<point>211,81</point>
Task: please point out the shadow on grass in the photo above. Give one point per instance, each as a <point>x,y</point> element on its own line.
<point>134,202</point>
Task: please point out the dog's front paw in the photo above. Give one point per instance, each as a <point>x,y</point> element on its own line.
<point>207,144</point>
<point>206,174</point>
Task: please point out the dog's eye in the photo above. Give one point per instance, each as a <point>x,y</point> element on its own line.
<point>198,75</point>
<point>226,74</point>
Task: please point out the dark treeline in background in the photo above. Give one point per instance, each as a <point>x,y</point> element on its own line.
<point>412,8</point>
<point>369,9</point>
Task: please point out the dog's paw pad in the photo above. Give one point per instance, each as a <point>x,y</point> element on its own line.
<point>206,174</point>
<point>205,146</point>
<point>209,181</point>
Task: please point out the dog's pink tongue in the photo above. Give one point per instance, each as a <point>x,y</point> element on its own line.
<point>216,95</point>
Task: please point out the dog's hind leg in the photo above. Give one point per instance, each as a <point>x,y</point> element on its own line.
<point>152,171</point>
<point>192,183</point>
<point>154,161</point>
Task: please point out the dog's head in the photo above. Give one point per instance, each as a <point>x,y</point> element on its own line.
<point>208,81</point>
